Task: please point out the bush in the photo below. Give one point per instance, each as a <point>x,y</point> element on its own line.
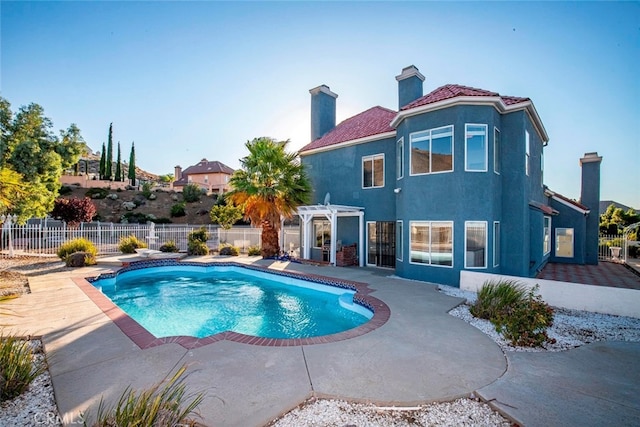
<point>135,218</point>
<point>199,235</point>
<point>18,368</point>
<point>74,211</point>
<point>230,250</point>
<point>97,193</point>
<point>162,220</point>
<point>178,210</point>
<point>169,246</point>
<point>159,405</point>
<point>191,193</point>
<point>65,190</point>
<point>146,189</point>
<point>197,242</point>
<point>254,250</point>
<point>76,245</point>
<point>129,244</point>
<point>494,296</point>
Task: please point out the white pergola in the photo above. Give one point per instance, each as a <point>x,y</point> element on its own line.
<point>332,213</point>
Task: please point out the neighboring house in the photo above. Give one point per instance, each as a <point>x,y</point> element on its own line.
<point>210,176</point>
<point>452,181</point>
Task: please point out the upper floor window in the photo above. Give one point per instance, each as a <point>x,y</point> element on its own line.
<point>475,149</point>
<point>206,179</point>
<point>542,168</point>
<point>497,151</point>
<point>527,152</point>
<point>373,171</point>
<point>432,151</point>
<point>400,158</point>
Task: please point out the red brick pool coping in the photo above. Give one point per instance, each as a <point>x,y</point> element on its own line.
<point>145,339</point>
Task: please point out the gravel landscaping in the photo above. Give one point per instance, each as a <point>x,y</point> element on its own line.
<point>571,329</point>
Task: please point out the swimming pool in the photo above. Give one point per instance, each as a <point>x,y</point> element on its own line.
<point>196,300</point>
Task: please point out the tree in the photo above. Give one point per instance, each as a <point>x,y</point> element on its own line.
<point>119,165</point>
<point>30,149</point>
<point>109,159</point>
<point>11,186</point>
<point>103,162</point>
<point>270,185</point>
<point>614,219</point>
<point>225,215</point>
<point>132,164</point>
<point>74,211</point>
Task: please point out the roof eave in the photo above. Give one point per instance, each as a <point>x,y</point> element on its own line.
<point>343,144</point>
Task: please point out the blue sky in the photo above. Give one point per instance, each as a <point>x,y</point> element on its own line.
<point>193,80</point>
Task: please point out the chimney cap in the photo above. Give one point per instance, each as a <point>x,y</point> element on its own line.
<point>324,89</point>
<point>410,71</point>
<point>590,157</point>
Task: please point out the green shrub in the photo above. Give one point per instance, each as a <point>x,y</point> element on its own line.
<point>162,220</point>
<point>135,218</point>
<point>169,246</point>
<point>230,250</point>
<point>494,296</point>
<point>254,250</point>
<point>18,368</point>
<point>199,235</point>
<point>178,210</point>
<point>129,244</point>
<point>146,189</point>
<point>191,193</point>
<point>97,193</point>
<point>65,190</point>
<point>160,405</point>
<point>76,245</point>
<point>197,248</point>
<point>525,323</point>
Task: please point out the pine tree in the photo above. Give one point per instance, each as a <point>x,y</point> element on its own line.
<point>132,164</point>
<point>109,159</point>
<point>119,165</point>
<point>102,162</point>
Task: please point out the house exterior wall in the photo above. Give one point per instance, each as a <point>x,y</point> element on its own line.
<point>568,217</point>
<point>214,182</point>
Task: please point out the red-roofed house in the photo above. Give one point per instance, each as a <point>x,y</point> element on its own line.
<point>451,181</point>
<point>210,176</point>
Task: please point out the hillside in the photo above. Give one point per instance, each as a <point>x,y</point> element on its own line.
<point>91,164</point>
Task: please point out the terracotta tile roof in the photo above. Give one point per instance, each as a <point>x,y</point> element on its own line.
<point>570,201</point>
<point>453,91</point>
<point>374,121</point>
<point>206,166</point>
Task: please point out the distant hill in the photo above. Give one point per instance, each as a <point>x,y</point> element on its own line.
<point>91,162</point>
<point>604,204</point>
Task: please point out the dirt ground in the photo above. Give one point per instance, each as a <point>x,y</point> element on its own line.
<point>15,272</point>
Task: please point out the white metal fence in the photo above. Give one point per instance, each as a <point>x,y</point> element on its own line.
<point>42,237</point>
<point>612,247</point>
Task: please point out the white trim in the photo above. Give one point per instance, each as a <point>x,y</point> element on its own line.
<point>430,139</point>
<point>400,164</point>
<point>573,242</point>
<point>429,264</point>
<point>527,152</point>
<point>566,203</point>
<point>486,145</point>
<point>410,71</point>
<point>372,158</point>
<point>401,245</point>
<point>543,235</point>
<point>366,227</point>
<point>499,239</point>
<point>494,101</point>
<point>324,89</point>
<point>499,151</point>
<point>486,241</point>
<point>349,143</point>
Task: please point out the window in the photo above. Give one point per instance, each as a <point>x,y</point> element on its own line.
<point>527,152</point>
<point>431,151</point>
<point>564,242</point>
<point>373,171</point>
<point>322,232</point>
<point>542,169</point>
<point>547,235</point>
<point>399,240</point>
<point>475,148</point>
<point>431,243</point>
<point>206,179</point>
<point>496,243</point>
<point>400,159</point>
<point>475,237</point>
<point>496,151</point>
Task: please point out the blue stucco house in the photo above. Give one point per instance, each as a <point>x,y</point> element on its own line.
<point>453,180</point>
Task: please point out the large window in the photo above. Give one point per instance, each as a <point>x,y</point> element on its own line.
<point>431,243</point>
<point>564,242</point>
<point>527,152</point>
<point>373,171</point>
<point>496,243</point>
<point>547,235</point>
<point>322,233</point>
<point>475,148</point>
<point>497,151</point>
<point>431,151</point>
<point>399,240</point>
<point>475,237</point>
<point>400,159</point>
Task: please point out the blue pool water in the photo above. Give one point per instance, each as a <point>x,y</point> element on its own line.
<point>202,301</point>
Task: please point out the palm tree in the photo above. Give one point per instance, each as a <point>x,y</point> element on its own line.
<point>270,186</point>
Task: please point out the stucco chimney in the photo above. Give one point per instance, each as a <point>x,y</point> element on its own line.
<point>177,172</point>
<point>409,85</point>
<point>323,111</point>
<point>590,197</point>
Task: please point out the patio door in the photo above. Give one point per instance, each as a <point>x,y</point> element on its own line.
<point>381,244</point>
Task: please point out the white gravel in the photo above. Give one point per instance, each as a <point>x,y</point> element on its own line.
<point>571,328</point>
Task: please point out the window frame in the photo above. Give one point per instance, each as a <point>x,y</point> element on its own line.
<point>467,225</point>
<point>497,151</point>
<point>430,252</point>
<point>527,152</point>
<point>546,235</point>
<point>400,159</point>
<point>372,158</point>
<point>572,243</point>
<point>322,223</point>
<point>466,146</point>
<point>399,242</point>
<point>430,139</point>
<point>496,243</point>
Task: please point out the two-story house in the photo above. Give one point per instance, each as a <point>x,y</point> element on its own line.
<point>451,181</point>
<point>213,177</point>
